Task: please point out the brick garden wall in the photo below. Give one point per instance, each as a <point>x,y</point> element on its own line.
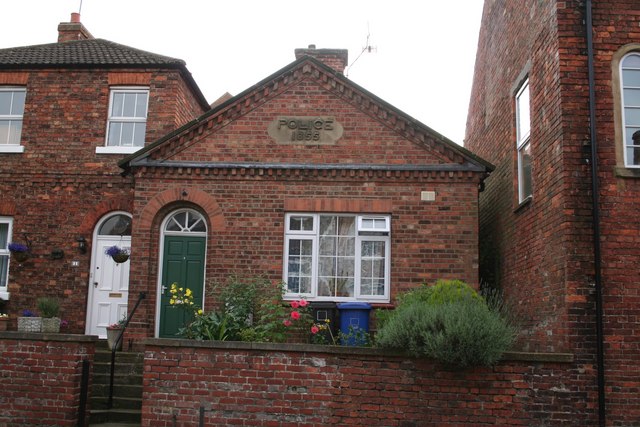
<point>40,378</point>
<point>297,385</point>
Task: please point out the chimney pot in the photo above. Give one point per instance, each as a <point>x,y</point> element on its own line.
<point>75,17</point>
<point>312,46</point>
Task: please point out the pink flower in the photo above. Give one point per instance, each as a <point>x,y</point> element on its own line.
<point>295,315</point>
<point>286,322</point>
<point>303,303</point>
<point>295,304</point>
<point>315,329</point>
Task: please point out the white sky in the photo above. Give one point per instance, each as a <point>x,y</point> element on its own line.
<point>422,65</point>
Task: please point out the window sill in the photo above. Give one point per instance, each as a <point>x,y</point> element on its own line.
<point>623,172</point>
<point>4,295</point>
<point>117,150</point>
<point>523,204</point>
<point>11,148</point>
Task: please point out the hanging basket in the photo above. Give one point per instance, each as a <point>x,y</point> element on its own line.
<point>20,256</point>
<point>120,258</point>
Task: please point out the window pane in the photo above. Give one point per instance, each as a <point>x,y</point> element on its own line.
<point>4,235</point>
<point>4,131</point>
<point>15,130</point>
<point>293,284</point>
<point>631,97</point>
<point>524,164</point>
<point>4,270</point>
<point>523,114</point>
<point>328,245</point>
<point>301,223</point>
<point>138,135</point>
<point>632,116</point>
<point>141,106</point>
<point>118,105</point>
<point>631,61</point>
<point>325,287</point>
<point>346,267</point>
<point>129,105</point>
<point>344,288</point>
<point>114,133</point>
<point>346,226</point>
<point>5,102</point>
<point>346,246</point>
<point>17,108</point>
<point>633,156</point>
<point>327,267</point>
<point>327,225</point>
<point>126,138</point>
<point>631,78</point>
<point>117,225</point>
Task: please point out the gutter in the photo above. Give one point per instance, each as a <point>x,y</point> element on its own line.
<point>595,191</point>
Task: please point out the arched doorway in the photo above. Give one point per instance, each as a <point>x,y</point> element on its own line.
<point>183,253</point>
<point>108,280</point>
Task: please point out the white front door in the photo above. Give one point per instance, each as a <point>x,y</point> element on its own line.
<point>108,285</point>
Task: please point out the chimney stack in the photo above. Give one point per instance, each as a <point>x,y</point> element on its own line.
<point>334,58</point>
<point>74,30</point>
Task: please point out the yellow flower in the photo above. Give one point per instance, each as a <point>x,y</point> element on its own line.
<point>200,312</point>
<point>172,301</point>
<point>188,292</point>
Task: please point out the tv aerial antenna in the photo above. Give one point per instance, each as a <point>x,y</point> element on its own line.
<point>367,48</point>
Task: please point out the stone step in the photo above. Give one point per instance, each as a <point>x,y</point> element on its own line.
<point>132,391</point>
<point>101,402</point>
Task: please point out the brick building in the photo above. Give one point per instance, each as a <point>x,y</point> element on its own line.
<point>559,231</point>
<point>305,177</point>
<point>69,111</point>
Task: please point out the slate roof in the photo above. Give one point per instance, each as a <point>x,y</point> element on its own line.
<point>83,53</point>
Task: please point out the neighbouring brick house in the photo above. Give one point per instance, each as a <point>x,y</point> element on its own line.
<point>305,178</point>
<point>545,122</point>
<point>69,111</point>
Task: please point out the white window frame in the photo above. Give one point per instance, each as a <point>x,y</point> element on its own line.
<point>124,149</point>
<point>628,127</point>
<point>6,147</point>
<point>4,252</point>
<point>523,140</point>
<point>362,234</point>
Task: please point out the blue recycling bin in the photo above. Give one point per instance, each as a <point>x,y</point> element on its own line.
<point>354,323</point>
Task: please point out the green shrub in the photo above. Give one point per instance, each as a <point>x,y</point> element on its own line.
<point>209,326</point>
<point>449,322</point>
<point>48,307</point>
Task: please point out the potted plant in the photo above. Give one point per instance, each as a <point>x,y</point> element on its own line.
<point>49,309</point>
<point>118,254</point>
<point>29,322</point>
<point>19,251</point>
<point>113,331</point>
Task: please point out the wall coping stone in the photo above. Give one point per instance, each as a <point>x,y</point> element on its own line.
<point>336,349</point>
<point>36,336</point>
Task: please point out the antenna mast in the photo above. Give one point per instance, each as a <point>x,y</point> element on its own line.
<point>366,48</point>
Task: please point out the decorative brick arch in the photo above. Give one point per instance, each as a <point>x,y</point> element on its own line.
<point>101,209</point>
<point>8,208</point>
<point>193,195</point>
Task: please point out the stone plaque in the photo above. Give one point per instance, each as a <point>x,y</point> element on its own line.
<point>305,130</point>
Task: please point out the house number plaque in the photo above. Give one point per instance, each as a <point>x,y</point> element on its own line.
<point>307,130</point>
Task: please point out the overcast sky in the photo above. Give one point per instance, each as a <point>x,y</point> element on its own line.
<point>422,58</point>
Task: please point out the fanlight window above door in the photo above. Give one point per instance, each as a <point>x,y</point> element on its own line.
<point>117,225</point>
<point>186,222</point>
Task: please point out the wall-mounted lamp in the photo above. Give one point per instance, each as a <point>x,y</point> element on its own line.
<point>82,245</point>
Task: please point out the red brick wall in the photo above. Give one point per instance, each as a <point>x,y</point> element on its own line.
<point>59,187</point>
<point>314,385</point>
<point>41,378</point>
<point>545,250</point>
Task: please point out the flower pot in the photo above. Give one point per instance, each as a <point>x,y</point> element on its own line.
<point>50,324</point>
<point>29,324</point>
<point>112,336</point>
<point>20,256</point>
<point>120,258</point>
<point>4,323</point>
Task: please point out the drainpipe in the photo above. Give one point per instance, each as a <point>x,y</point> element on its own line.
<point>595,191</point>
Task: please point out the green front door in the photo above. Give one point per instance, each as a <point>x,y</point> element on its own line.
<point>182,263</point>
